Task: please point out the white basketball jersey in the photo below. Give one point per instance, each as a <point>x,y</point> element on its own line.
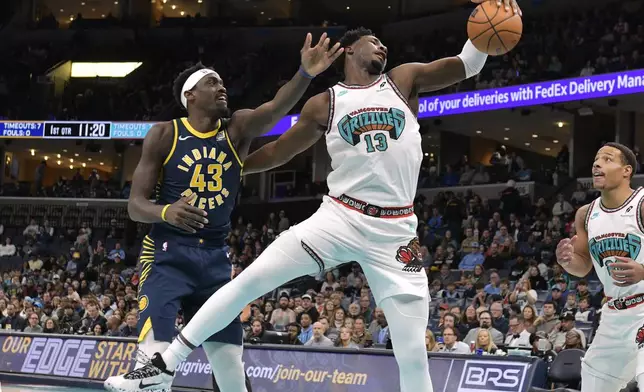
<point>374,143</point>
<point>616,232</point>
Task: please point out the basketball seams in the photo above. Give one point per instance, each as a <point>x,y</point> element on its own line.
<point>495,32</point>
<point>493,26</point>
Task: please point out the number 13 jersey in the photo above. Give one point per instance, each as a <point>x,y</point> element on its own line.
<point>374,143</point>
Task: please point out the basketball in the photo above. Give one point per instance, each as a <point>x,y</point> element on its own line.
<point>493,30</point>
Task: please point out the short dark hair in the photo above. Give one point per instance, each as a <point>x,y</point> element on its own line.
<point>181,80</point>
<point>628,156</point>
<point>550,303</point>
<point>351,36</point>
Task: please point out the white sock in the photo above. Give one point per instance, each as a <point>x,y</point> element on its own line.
<point>282,261</point>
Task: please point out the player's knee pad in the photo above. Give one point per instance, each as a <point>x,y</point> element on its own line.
<point>593,381</point>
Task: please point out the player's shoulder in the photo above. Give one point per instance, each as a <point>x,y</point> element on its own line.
<point>161,129</point>
<point>583,211</point>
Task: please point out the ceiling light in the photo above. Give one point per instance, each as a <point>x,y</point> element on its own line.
<point>547,148</point>
<point>116,3</point>
<point>270,18</point>
<point>165,1</point>
<point>93,9</point>
<point>33,152</point>
<point>46,157</point>
<point>261,13</point>
<point>426,154</point>
<point>83,3</point>
<point>71,167</point>
<point>58,162</point>
<point>62,10</point>
<point>101,163</point>
<point>64,150</point>
<point>71,160</point>
<point>102,15</point>
<point>83,164</point>
<point>507,129</point>
<point>388,7</point>
<point>182,13</point>
<point>506,138</point>
<point>174,7</point>
<point>71,17</point>
<point>431,155</point>
<point>348,7</point>
<point>534,136</point>
<point>89,159</point>
<point>57,155</point>
<point>76,154</point>
<point>527,144</point>
<point>199,1</point>
<point>478,132</point>
<point>555,141</point>
<point>560,124</point>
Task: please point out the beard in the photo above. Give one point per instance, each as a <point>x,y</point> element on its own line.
<point>375,67</point>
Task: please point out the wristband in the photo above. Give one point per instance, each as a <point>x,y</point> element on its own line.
<point>304,73</point>
<point>472,59</point>
<point>163,211</point>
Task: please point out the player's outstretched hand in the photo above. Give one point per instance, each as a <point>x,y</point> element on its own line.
<point>507,4</point>
<point>565,250</point>
<point>626,273</point>
<point>316,59</point>
<point>185,216</point>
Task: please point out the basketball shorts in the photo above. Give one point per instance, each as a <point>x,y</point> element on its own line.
<point>386,248</point>
<point>180,274</point>
<point>617,350</point>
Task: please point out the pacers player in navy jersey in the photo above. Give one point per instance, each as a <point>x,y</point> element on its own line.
<point>198,160</point>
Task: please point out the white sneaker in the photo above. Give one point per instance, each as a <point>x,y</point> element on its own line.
<point>151,377</point>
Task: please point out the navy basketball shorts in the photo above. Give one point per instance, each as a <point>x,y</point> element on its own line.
<point>180,273</point>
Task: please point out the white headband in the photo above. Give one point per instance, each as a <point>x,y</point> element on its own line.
<point>192,82</point>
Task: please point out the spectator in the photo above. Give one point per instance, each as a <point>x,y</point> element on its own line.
<point>548,321</point>
<point>430,342</point>
<point>329,283</point>
<point>493,287</point>
<point>130,327</point>
<point>345,339</point>
<point>13,321</point>
<point>574,340</point>
<point>282,316</point>
<point>92,318</point>
<point>50,326</point>
<point>451,343</point>
<point>485,342</point>
<point>517,336</point>
<point>294,331</point>
<point>494,260</point>
<point>585,313</point>
<point>523,294</point>
<point>307,328</point>
<point>473,259</point>
<point>319,340</point>
<point>309,309</point>
<point>557,336</point>
<point>485,320</point>
<point>31,230</point>
<point>8,249</point>
<point>34,325</point>
<point>117,253</point>
<point>499,322</point>
<point>113,326</point>
<point>361,336</point>
<point>562,206</point>
<point>336,323</point>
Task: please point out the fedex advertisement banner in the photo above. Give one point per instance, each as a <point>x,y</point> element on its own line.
<point>269,369</point>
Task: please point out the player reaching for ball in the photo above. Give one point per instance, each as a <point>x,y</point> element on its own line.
<point>609,237</point>
<point>373,139</point>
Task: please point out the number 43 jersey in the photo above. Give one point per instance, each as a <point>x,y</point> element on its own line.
<point>374,143</point>
<point>616,232</point>
<point>205,163</point>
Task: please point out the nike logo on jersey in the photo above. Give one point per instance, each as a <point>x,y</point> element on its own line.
<point>182,138</point>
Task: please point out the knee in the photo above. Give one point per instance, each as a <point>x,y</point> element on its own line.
<point>410,356</point>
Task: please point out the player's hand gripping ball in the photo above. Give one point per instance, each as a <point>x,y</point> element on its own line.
<point>495,26</point>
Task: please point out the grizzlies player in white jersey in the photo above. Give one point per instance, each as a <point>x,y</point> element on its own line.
<point>609,234</point>
<point>372,136</point>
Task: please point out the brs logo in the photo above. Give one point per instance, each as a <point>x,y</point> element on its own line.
<point>391,121</point>
<point>488,376</point>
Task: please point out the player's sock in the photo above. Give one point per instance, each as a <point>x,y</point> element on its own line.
<point>282,261</point>
<point>407,317</point>
<point>149,346</point>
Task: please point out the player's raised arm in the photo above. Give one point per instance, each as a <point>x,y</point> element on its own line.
<point>156,148</point>
<point>572,253</point>
<point>309,129</point>
<point>315,60</point>
<point>426,77</point>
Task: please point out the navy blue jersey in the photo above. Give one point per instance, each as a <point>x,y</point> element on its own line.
<point>208,165</point>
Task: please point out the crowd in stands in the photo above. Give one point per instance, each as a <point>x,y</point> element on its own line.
<point>495,285</point>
